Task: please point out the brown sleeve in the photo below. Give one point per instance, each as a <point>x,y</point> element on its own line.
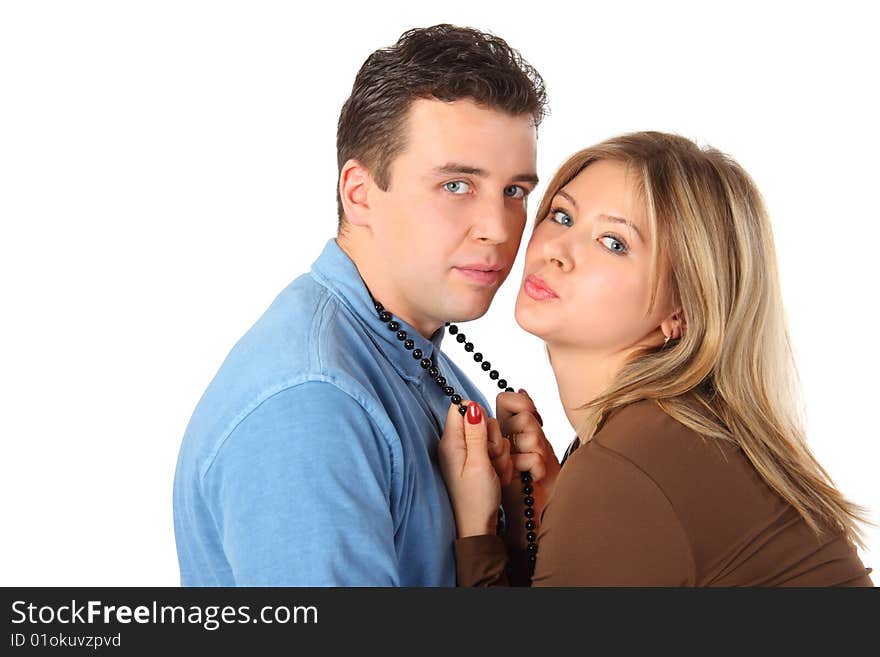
<point>609,524</point>
<point>481,561</point>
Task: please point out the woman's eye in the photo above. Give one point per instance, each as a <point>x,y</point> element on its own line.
<point>514,191</point>
<point>560,217</point>
<point>613,244</point>
<point>457,187</point>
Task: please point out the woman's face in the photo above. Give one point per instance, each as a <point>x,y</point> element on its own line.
<point>587,277</point>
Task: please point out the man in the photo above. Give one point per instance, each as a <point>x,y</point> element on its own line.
<point>311,458</point>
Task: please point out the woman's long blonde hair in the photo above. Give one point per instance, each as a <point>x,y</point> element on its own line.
<point>731,375</point>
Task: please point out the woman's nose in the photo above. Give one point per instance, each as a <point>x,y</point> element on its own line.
<point>557,253</point>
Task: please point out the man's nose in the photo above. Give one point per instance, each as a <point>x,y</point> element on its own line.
<point>492,222</point>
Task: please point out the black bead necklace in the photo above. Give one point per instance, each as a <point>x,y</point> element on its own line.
<point>430,365</point>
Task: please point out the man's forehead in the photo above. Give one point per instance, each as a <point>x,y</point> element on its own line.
<point>433,119</point>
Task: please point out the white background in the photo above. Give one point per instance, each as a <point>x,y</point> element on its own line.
<point>166,168</point>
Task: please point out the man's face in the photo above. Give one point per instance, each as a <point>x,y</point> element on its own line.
<point>455,208</point>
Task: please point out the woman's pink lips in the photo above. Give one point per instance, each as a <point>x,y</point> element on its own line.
<point>477,276</point>
<point>537,289</point>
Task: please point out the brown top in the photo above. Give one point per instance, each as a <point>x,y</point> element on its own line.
<point>649,502</point>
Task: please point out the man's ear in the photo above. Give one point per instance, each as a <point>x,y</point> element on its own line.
<point>675,325</point>
<point>354,186</point>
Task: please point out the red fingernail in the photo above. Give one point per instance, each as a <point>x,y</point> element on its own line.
<point>522,390</point>
<point>474,413</point>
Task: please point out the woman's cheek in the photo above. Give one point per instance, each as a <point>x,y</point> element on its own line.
<point>617,304</point>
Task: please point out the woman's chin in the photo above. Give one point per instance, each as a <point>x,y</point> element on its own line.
<point>527,322</point>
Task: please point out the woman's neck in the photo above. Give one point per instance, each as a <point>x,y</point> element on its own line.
<point>581,376</point>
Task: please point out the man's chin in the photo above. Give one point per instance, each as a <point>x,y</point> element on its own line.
<point>468,313</point>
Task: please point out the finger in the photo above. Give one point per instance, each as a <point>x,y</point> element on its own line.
<point>476,437</point>
<point>534,408</point>
<point>530,462</point>
<point>514,404</point>
<point>454,424</point>
<point>531,441</point>
<point>520,423</point>
<point>503,465</point>
<point>496,439</point>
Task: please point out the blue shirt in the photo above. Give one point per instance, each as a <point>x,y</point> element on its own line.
<point>311,459</point>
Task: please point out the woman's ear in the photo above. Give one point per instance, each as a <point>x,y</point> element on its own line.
<point>354,186</point>
<point>675,325</point>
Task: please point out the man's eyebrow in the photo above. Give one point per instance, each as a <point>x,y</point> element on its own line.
<point>452,168</point>
<point>527,177</point>
<point>604,217</point>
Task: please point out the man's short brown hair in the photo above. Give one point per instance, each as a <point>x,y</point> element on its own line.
<point>443,62</point>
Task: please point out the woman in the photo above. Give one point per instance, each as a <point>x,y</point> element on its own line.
<point>651,276</point>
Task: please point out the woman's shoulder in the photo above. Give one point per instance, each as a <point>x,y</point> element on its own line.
<point>698,474</point>
<point>645,434</point>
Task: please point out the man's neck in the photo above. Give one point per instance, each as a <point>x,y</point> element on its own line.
<point>373,272</point>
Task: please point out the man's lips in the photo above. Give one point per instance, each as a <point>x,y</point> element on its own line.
<point>483,274</point>
<point>537,289</point>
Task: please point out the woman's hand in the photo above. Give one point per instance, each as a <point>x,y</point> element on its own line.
<point>471,478</point>
<point>528,450</point>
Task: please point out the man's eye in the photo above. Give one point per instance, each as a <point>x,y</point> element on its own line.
<point>457,187</point>
<point>514,191</point>
<point>561,217</point>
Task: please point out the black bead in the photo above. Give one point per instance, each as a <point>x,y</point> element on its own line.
<point>493,374</point>
<point>449,391</point>
<point>425,363</point>
<point>409,344</point>
<point>379,307</point>
<point>453,329</point>
<point>529,513</point>
<point>530,525</point>
<point>478,356</point>
<point>469,346</point>
<point>460,337</point>
<point>533,549</point>
<point>508,390</point>
<point>531,537</point>
<point>441,381</point>
<point>417,353</point>
<point>393,326</point>
<point>385,316</point>
<point>526,477</point>
<point>456,399</point>
<point>502,384</point>
<point>532,559</point>
<point>529,500</point>
<point>401,335</point>
<point>486,366</point>
<point>462,409</point>
<point>433,371</point>
<point>528,490</point>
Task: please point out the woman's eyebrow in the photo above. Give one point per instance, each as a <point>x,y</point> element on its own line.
<point>621,220</point>
<point>568,197</point>
<point>604,217</point>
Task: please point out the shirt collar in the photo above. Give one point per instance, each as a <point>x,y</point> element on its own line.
<point>338,273</point>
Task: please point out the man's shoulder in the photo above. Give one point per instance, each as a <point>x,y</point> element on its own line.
<point>295,348</point>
